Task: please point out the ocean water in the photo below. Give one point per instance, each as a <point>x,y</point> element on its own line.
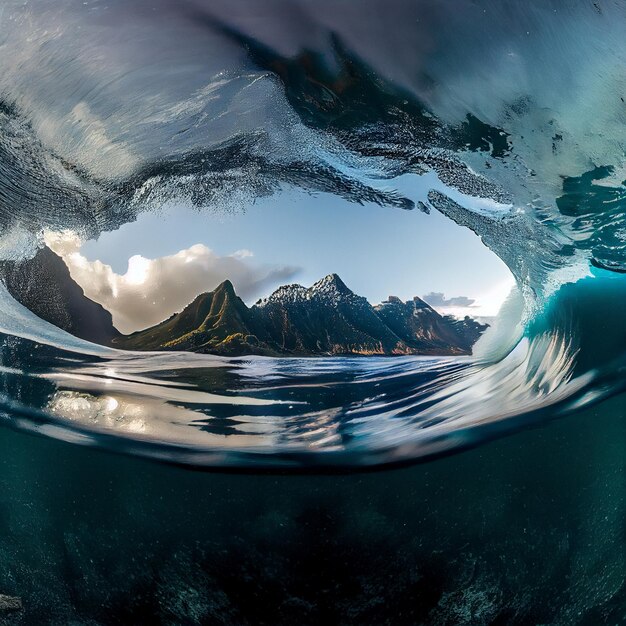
<point>171,488</point>
<point>527,529</point>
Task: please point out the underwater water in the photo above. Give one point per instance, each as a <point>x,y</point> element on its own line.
<point>527,529</point>
<point>506,118</point>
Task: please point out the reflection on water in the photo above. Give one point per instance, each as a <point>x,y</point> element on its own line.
<point>205,410</point>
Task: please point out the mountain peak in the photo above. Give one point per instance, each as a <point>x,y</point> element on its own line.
<point>225,286</point>
<point>331,282</point>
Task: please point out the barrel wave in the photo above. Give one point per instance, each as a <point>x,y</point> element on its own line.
<point>508,118</point>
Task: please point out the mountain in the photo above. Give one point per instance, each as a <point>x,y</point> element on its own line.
<point>425,330</point>
<point>215,322</point>
<point>324,319</point>
<point>469,329</point>
<point>327,318</point>
<point>43,284</point>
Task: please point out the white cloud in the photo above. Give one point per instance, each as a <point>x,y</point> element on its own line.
<point>153,289</point>
<point>485,304</point>
<point>437,299</point>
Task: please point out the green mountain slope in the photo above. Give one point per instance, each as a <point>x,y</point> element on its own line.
<point>324,319</point>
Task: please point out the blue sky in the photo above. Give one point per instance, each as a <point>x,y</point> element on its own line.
<point>297,237</point>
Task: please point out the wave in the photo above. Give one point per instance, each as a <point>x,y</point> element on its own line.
<point>108,112</point>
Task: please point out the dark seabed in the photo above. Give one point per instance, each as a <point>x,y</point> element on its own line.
<point>524,530</point>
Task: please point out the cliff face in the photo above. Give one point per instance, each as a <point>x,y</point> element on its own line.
<point>43,284</point>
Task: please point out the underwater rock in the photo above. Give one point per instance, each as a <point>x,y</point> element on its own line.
<point>10,604</point>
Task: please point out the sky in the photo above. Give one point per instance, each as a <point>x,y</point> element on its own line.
<point>148,269</point>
